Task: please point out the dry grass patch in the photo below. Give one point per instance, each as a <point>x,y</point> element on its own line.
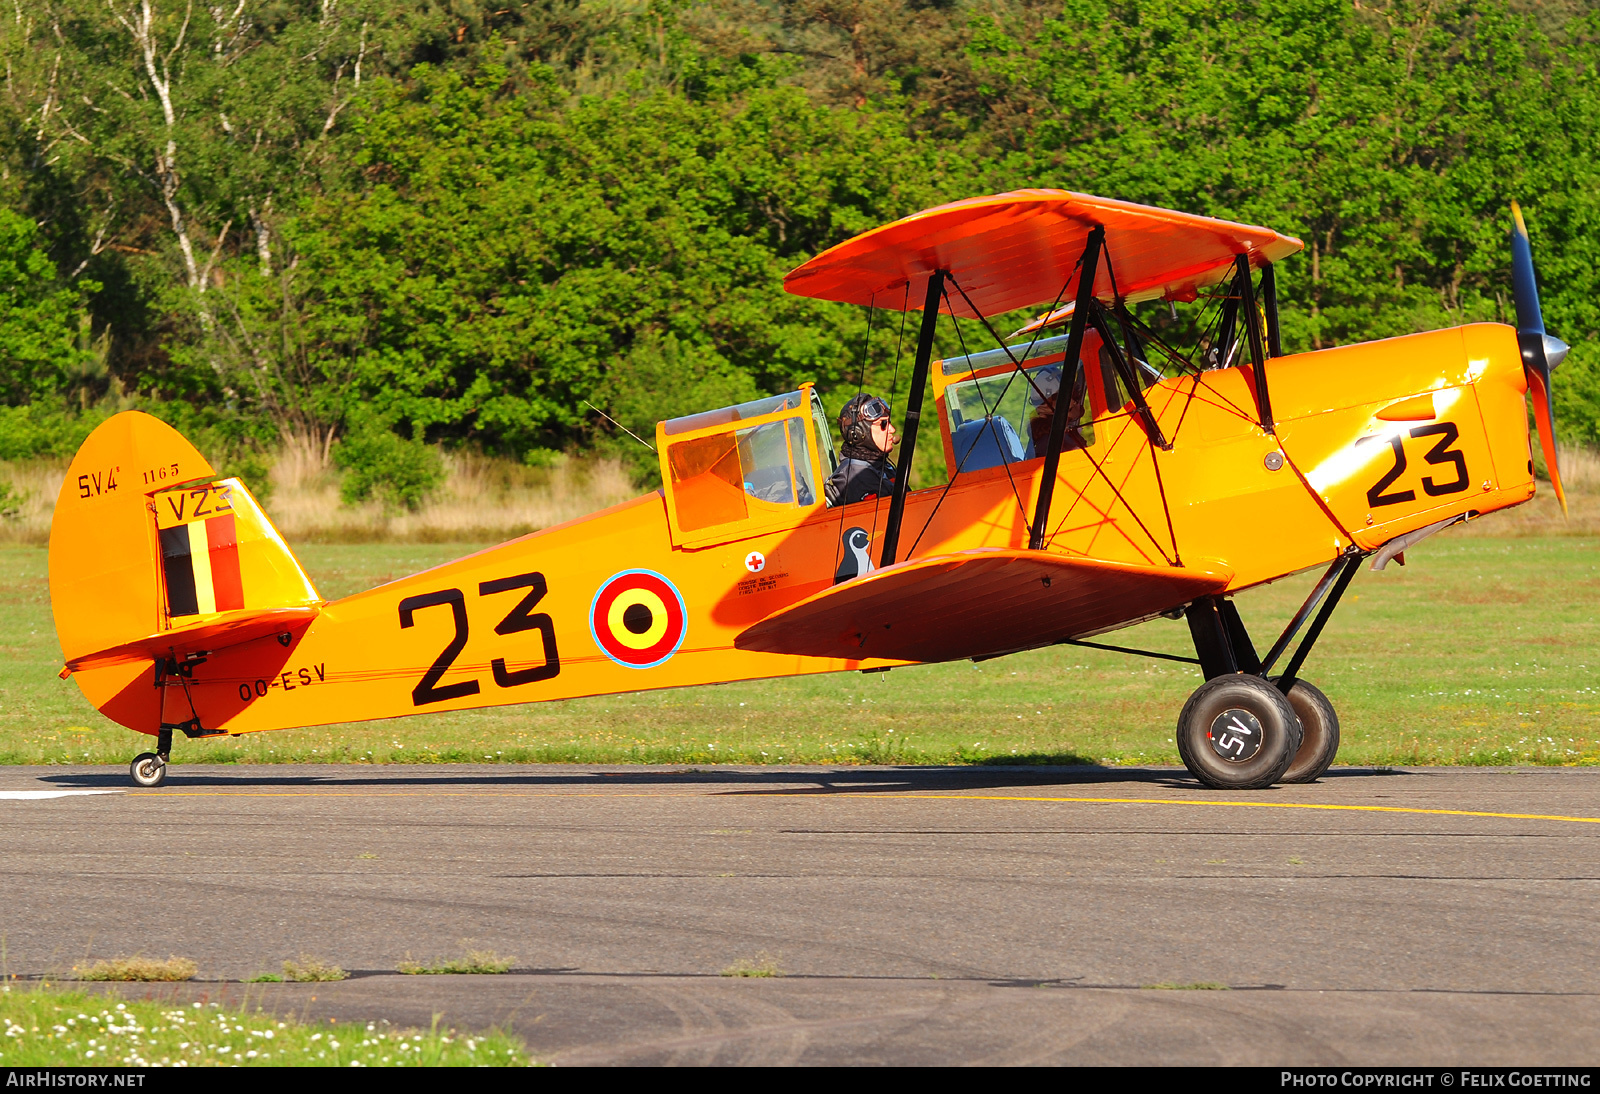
<point>473,961</point>
<point>1580,468</point>
<point>312,970</point>
<point>33,488</point>
<point>137,968</point>
<point>482,499</point>
<point>763,966</point>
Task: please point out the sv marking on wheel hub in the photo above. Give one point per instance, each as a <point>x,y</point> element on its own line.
<point>1235,735</point>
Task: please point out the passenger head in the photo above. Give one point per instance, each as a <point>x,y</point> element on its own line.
<point>1046,382</point>
<point>1046,385</point>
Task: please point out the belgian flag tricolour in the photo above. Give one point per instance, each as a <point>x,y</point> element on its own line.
<point>200,556</point>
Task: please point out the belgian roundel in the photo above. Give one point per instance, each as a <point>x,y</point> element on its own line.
<point>637,618</point>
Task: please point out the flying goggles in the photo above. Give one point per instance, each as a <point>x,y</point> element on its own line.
<point>874,409</point>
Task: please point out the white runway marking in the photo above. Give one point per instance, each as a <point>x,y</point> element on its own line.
<point>35,795</point>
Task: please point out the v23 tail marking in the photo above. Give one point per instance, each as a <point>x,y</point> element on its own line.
<point>518,619</point>
<point>1441,453</point>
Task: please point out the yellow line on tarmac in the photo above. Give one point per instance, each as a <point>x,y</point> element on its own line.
<point>410,792</point>
<point>1269,805</point>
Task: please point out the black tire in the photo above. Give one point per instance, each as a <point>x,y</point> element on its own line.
<point>1241,755</point>
<point>1319,734</point>
<point>148,769</point>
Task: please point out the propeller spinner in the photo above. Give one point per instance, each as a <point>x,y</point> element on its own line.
<point>1541,352</point>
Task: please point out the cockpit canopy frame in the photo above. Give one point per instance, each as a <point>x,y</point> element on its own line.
<point>734,471</point>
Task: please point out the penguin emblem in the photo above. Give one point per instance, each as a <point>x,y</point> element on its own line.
<point>856,561</point>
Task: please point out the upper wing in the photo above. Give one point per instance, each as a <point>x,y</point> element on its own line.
<point>1020,249</point>
<point>975,603</point>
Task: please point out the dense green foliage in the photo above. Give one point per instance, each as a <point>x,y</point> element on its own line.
<point>307,221</point>
<point>40,318</point>
<point>394,469</point>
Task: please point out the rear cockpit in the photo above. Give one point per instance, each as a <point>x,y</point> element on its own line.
<point>739,470</point>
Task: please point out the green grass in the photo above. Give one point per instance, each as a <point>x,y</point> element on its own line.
<point>45,1026</point>
<point>1481,651</point>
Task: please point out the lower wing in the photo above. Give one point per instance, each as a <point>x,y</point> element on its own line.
<point>976,604</point>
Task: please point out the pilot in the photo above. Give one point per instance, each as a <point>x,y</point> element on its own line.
<point>1042,392</point>
<point>865,470</point>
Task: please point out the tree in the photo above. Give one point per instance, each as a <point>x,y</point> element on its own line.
<point>512,258</point>
<point>42,356</point>
<point>1390,136</point>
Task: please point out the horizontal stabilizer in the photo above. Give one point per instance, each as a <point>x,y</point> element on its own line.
<point>975,604</point>
<point>217,632</point>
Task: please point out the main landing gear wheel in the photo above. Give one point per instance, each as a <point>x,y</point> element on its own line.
<point>148,769</point>
<point>1320,739</point>
<point>1238,732</point>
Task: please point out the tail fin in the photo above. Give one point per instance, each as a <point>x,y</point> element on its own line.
<point>152,555</point>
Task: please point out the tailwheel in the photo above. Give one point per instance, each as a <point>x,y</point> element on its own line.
<point>148,769</point>
<point>1320,740</point>
<point>1238,732</point>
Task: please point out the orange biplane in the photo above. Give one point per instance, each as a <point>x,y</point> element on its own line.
<point>1179,483</point>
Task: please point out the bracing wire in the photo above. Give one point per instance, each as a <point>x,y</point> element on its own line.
<point>988,414</point>
<point>989,419</point>
<point>1026,353</point>
<point>1092,462</point>
<point>861,383</point>
<point>894,386</point>
<point>1132,378</point>
<point>1154,542</point>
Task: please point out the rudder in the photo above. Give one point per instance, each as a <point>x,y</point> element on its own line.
<point>152,555</point>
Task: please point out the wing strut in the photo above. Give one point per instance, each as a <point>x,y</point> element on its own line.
<point>908,443</point>
<point>1252,326</point>
<point>1121,362</point>
<point>1088,265</point>
<point>1269,304</point>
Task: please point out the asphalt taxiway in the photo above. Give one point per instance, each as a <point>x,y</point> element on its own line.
<point>917,915</point>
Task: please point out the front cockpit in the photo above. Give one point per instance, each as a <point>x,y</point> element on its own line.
<point>995,413</point>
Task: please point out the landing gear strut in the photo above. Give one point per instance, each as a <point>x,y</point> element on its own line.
<point>1243,729</point>
<point>150,768</point>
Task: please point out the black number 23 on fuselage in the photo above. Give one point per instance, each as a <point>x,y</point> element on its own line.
<point>520,618</point>
<point>1442,452</point>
